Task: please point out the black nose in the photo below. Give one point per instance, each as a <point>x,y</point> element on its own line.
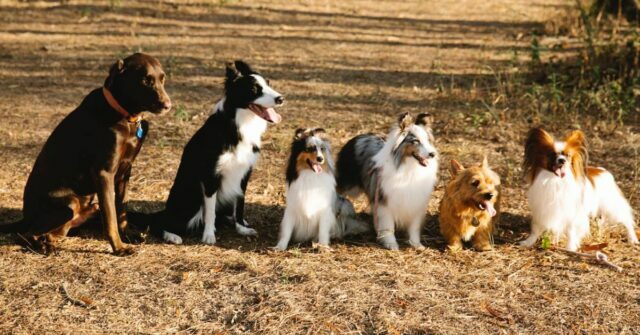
<point>488,196</point>
<point>279,100</point>
<point>432,154</point>
<point>320,159</point>
<point>561,160</point>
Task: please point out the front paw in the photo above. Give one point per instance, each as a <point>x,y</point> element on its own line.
<point>245,230</point>
<point>209,239</point>
<point>483,247</point>
<point>125,250</point>
<point>280,247</point>
<point>390,244</point>
<point>416,245</point>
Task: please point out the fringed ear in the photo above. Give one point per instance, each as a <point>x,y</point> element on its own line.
<point>116,69</point>
<point>244,68</point>
<point>455,167</point>
<point>537,148</point>
<point>577,144</point>
<point>404,121</point>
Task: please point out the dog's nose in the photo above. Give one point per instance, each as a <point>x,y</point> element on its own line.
<point>320,159</point>
<point>561,160</point>
<point>167,105</point>
<point>279,100</point>
<point>488,196</point>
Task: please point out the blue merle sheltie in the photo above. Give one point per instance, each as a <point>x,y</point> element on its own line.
<point>217,162</point>
<point>398,176</point>
<point>314,210</point>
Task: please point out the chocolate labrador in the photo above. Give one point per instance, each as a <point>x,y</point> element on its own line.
<point>90,153</point>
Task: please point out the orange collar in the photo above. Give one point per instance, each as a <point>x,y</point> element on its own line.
<point>115,105</point>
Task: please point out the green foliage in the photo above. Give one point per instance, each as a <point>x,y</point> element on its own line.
<point>545,241</point>
<point>181,113</point>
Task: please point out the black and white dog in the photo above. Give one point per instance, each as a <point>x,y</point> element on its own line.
<point>217,162</point>
<point>398,176</point>
<point>314,210</point>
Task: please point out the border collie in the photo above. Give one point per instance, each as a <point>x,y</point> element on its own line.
<point>314,210</point>
<point>397,175</point>
<point>217,162</point>
<point>564,191</point>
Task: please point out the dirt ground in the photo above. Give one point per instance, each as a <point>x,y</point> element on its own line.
<point>350,67</point>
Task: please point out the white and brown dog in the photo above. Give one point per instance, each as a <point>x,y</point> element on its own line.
<point>314,210</point>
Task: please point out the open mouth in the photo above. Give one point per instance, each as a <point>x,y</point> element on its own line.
<point>267,113</point>
<point>487,206</point>
<point>559,172</point>
<point>315,166</point>
<point>421,160</point>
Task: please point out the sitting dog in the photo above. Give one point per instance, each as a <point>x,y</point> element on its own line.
<point>91,153</point>
<point>470,206</point>
<point>564,192</point>
<point>314,210</point>
<point>217,161</point>
<point>397,175</point>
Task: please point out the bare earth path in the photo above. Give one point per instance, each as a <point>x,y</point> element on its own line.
<point>349,66</point>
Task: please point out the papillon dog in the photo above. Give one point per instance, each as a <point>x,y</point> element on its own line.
<point>398,176</point>
<point>564,192</point>
<point>314,210</point>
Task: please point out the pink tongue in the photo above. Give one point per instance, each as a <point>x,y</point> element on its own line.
<point>560,173</point>
<point>316,167</point>
<point>273,116</point>
<point>489,207</point>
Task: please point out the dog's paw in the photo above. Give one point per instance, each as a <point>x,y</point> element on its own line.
<point>483,247</point>
<point>125,250</point>
<point>321,247</point>
<point>391,245</point>
<point>209,239</point>
<point>526,243</point>
<point>171,238</point>
<point>416,245</point>
<point>244,230</point>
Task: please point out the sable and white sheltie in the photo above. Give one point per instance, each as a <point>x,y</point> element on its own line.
<point>564,192</point>
<point>314,210</point>
<point>217,162</point>
<point>397,175</point>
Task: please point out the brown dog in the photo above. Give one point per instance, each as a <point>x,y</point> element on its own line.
<point>90,153</point>
<point>470,206</point>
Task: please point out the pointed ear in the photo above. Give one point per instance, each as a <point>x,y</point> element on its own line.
<point>231,72</point>
<point>244,68</point>
<point>455,167</point>
<point>485,162</point>
<point>116,69</point>
<point>301,133</point>
<point>404,121</point>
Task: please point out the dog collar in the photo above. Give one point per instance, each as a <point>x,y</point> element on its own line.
<point>115,105</point>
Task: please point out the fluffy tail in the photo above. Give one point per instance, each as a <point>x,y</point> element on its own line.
<point>346,216</point>
<point>612,204</point>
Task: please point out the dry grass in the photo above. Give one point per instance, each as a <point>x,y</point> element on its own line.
<point>346,66</point>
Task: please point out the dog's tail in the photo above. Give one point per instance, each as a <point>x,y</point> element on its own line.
<point>11,227</point>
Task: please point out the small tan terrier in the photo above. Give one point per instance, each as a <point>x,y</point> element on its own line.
<point>470,206</point>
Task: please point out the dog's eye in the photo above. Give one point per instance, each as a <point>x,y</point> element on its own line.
<point>415,142</point>
<point>148,81</point>
<point>475,183</point>
<point>311,149</point>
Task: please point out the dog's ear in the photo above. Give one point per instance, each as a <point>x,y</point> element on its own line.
<point>404,121</point>
<point>244,68</point>
<point>231,74</point>
<point>576,139</point>
<point>424,120</point>
<point>455,167</point>
<point>301,133</point>
<point>318,131</point>
<point>116,69</point>
<point>485,162</point>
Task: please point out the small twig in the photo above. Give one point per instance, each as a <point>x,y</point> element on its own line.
<point>598,256</point>
<point>72,300</point>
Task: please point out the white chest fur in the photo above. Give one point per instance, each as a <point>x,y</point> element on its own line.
<point>556,202</point>
<point>234,164</point>
<point>310,197</point>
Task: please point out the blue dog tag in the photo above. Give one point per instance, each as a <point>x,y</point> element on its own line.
<point>139,131</point>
